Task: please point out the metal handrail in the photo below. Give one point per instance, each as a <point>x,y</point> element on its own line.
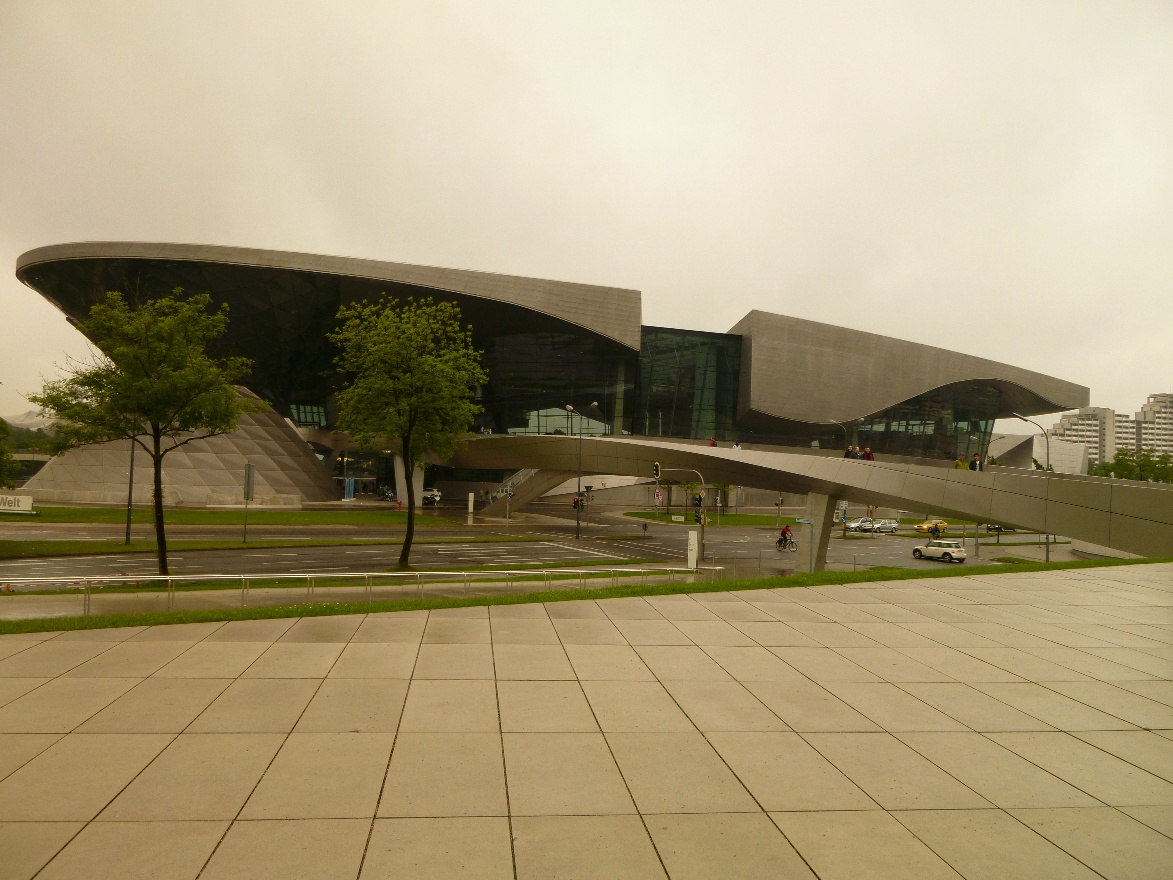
<point>171,580</point>
<point>88,584</point>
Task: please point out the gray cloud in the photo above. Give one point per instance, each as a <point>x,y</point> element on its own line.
<point>992,178</point>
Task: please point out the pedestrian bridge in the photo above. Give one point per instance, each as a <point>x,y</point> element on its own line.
<point>1125,515</point>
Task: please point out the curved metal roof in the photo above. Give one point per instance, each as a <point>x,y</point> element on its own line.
<point>793,369</point>
<point>612,312</point>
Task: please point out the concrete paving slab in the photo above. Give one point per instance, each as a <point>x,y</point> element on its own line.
<point>445,774</point>
<point>563,774</point>
<point>322,776</point>
<point>74,779</point>
<point>733,846</point>
<point>137,850</point>
<point>783,772</point>
<point>28,846</point>
<point>422,849</point>
<point>585,848</point>
<point>544,707</point>
<point>304,849</point>
<point>157,705</point>
<point>677,773</point>
<point>531,663</point>
<point>961,727</point>
<point>199,776</point>
<point>991,845</point>
<point>1106,840</point>
<point>872,844</point>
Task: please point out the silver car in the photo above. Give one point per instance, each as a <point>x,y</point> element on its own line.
<point>885,525</point>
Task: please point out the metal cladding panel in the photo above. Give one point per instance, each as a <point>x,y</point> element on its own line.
<point>791,368</point>
<point>1137,517</point>
<point>612,312</point>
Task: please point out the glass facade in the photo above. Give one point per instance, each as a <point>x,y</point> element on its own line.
<point>681,384</point>
<point>688,384</point>
<point>943,423</point>
<point>949,421</point>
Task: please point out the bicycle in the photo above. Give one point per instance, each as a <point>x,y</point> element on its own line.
<point>785,544</point>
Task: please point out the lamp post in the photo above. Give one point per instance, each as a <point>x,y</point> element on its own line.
<point>844,427</point>
<point>130,489</point>
<point>1046,467</point>
<point>578,494</point>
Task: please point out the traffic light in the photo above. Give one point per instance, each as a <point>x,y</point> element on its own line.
<point>656,470</point>
<point>696,501</point>
<point>696,517</point>
<point>577,503</point>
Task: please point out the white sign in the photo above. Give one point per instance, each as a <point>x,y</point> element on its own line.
<point>676,518</point>
<point>693,547</point>
<point>16,503</point>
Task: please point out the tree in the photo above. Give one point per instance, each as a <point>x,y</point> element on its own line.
<point>411,370</point>
<point>1131,464</point>
<point>152,383</point>
<point>8,466</point>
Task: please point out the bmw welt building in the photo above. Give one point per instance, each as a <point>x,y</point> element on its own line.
<point>770,382</point>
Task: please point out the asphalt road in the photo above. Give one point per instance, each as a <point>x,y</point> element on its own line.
<point>607,537</point>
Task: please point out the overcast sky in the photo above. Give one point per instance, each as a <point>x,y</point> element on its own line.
<point>994,178</point>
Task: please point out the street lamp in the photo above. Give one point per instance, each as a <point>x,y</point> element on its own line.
<point>1047,536</point>
<point>578,507</point>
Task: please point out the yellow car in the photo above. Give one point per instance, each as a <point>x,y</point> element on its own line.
<point>927,525</point>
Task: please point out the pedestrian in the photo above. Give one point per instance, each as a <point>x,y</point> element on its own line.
<point>736,445</point>
<point>960,464</point>
<point>712,441</point>
<point>847,452</point>
<point>976,464</point>
<point>867,454</point>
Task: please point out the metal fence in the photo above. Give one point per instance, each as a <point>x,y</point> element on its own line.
<point>85,596</point>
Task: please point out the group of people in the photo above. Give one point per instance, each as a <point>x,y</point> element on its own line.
<point>854,452</point>
<point>974,464</point>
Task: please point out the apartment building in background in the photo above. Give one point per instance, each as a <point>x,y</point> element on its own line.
<point>1103,430</point>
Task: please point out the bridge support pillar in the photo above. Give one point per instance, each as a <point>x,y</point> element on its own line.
<point>820,510</point>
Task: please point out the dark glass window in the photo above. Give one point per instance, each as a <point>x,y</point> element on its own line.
<point>688,384</point>
<point>307,415</point>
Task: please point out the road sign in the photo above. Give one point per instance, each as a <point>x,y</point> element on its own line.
<point>250,471</point>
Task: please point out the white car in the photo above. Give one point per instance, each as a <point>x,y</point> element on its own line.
<point>859,524</point>
<point>885,525</point>
<point>946,551</point>
<point>431,496</point>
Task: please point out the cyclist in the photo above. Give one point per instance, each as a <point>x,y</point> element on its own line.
<point>786,536</point>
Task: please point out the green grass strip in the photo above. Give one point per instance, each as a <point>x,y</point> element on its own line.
<point>105,621</point>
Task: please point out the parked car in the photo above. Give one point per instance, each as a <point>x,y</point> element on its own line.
<point>927,525</point>
<point>946,551</point>
<point>885,525</point>
<point>994,527</point>
<point>431,496</point>
<point>859,524</point>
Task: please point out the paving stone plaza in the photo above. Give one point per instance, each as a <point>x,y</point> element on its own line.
<point>995,726</point>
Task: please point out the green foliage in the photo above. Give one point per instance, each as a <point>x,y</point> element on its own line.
<point>8,467</point>
<point>410,370</point>
<point>35,439</point>
<point>1129,464</point>
<point>153,382</point>
<point>153,377</point>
